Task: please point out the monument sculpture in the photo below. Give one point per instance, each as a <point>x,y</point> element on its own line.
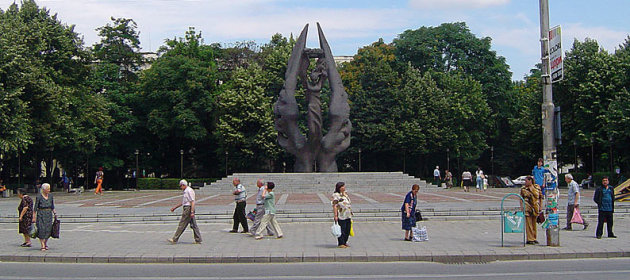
<point>313,152</point>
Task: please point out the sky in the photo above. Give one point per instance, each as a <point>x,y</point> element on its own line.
<point>513,25</point>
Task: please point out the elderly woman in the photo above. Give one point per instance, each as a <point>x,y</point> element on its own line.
<point>409,211</point>
<point>43,212</point>
<point>343,213</point>
<point>533,201</point>
<point>25,210</point>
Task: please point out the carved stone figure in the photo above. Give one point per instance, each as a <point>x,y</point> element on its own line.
<point>313,147</point>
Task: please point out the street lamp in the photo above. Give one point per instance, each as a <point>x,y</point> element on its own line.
<point>226,169</point>
<point>137,171</point>
<point>592,157</point>
<point>448,160</point>
<point>181,164</point>
<point>492,159</point>
<point>575,155</point>
<point>359,159</point>
<point>610,155</point>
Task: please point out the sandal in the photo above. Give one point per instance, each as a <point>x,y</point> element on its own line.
<point>26,245</point>
<point>43,249</point>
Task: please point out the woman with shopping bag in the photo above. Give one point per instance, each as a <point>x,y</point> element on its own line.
<point>43,214</point>
<point>408,210</point>
<point>342,210</point>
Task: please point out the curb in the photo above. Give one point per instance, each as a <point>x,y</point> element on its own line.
<point>345,256</point>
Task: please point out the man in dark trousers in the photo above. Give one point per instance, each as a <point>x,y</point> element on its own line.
<point>605,199</point>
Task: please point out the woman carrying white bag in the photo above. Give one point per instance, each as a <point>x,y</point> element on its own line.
<point>408,210</point>
<point>343,213</point>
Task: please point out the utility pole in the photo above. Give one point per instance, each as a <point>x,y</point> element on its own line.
<point>549,145</point>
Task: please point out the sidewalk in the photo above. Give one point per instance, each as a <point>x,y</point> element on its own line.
<point>475,241</point>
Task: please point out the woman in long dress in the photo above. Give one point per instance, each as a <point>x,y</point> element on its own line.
<point>25,210</point>
<point>44,211</point>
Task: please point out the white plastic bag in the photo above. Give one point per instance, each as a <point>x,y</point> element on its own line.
<point>420,234</point>
<point>335,229</point>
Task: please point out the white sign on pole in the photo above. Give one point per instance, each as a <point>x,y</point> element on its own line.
<point>555,54</point>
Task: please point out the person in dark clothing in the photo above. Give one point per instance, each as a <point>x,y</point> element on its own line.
<point>605,199</point>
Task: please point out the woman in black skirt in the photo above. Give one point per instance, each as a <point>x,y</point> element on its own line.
<point>408,210</point>
<point>25,210</point>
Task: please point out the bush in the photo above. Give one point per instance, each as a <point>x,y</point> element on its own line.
<point>167,183</point>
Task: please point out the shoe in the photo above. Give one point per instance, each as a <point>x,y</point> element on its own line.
<point>599,237</point>
<point>26,245</point>
<point>171,240</point>
<point>280,236</point>
<point>258,237</point>
<point>612,236</point>
<point>585,227</point>
<point>567,228</point>
<point>198,242</point>
<point>530,242</point>
<point>245,232</point>
<point>536,242</point>
<point>342,246</point>
<point>233,231</point>
<point>407,239</point>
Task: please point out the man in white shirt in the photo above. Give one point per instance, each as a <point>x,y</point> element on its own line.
<point>436,176</point>
<point>573,200</point>
<point>240,195</point>
<point>188,214</point>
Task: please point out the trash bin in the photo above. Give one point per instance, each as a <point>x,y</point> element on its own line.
<point>553,236</point>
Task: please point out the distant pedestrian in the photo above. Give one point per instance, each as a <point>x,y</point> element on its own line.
<point>408,210</point>
<point>605,199</point>
<point>65,181</point>
<point>44,212</point>
<point>448,178</point>
<point>240,195</point>
<point>436,176</point>
<point>573,201</point>
<point>532,197</point>
<point>188,214</point>
<point>342,209</point>
<point>3,188</point>
<point>480,178</point>
<point>270,213</point>
<point>539,175</point>
<point>98,180</point>
<point>467,180</point>
<point>260,209</point>
<point>25,210</point>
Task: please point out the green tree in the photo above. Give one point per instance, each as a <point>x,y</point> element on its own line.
<point>526,125</point>
<point>245,126</point>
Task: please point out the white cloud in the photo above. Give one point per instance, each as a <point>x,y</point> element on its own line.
<point>607,38</point>
<point>455,4</point>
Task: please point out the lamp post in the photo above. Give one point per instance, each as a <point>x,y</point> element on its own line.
<point>359,159</point>
<point>592,157</point>
<point>492,159</point>
<point>448,160</point>
<point>181,164</point>
<point>610,155</point>
<point>137,171</point>
<point>575,155</point>
<point>226,169</point>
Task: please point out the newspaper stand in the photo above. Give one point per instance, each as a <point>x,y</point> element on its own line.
<point>513,222</point>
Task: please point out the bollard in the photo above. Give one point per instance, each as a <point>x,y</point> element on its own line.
<point>553,236</point>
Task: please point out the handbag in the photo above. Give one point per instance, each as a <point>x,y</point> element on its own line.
<point>351,228</point>
<point>54,233</point>
<point>541,218</point>
<point>252,214</point>
<point>420,234</point>
<point>418,216</point>
<point>577,217</point>
<point>335,229</point>
<point>32,232</point>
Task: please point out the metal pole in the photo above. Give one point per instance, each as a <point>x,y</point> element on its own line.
<point>492,159</point>
<point>575,155</point>
<point>226,156</point>
<point>549,145</point>
<point>19,167</point>
<point>137,170</point>
<point>448,160</point>
<point>610,155</point>
<point>181,164</point>
<point>592,157</point>
<point>359,159</point>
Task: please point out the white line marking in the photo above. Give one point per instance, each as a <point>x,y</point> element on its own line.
<point>283,199</point>
<point>324,199</point>
<point>206,198</point>
<point>446,196</point>
<point>366,198</point>
<point>122,200</point>
<point>156,201</point>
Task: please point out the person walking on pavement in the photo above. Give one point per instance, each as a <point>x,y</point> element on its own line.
<point>573,200</point>
<point>98,180</point>
<point>342,209</point>
<point>188,214</point>
<point>605,200</point>
<point>43,213</point>
<point>408,210</point>
<point>260,209</point>
<point>467,180</point>
<point>270,213</point>
<point>25,210</point>
<point>530,193</point>
<point>240,195</point>
<point>448,178</point>
<point>436,176</point>
<point>480,178</point>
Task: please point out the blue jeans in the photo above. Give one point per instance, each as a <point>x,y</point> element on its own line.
<point>479,183</point>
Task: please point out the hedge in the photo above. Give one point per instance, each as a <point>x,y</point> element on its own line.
<point>167,183</point>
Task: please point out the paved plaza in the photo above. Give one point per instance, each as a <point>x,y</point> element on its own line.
<point>474,239</point>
